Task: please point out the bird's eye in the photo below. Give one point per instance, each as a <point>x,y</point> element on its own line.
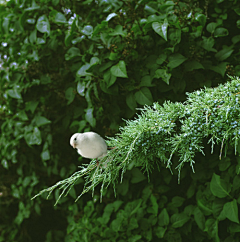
<point>75,138</point>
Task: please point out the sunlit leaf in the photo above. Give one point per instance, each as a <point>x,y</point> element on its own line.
<point>161,28</point>
<point>43,24</point>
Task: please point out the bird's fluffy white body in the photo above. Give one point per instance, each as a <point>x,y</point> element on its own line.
<point>89,144</point>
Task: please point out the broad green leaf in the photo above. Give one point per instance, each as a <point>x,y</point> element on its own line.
<point>83,70</point>
<point>94,61</point>
<point>137,176</point>
<point>144,96</point>
<point>236,39</point>
<point>32,105</point>
<point>45,155</point>
<point>33,36</point>
<point>163,218</point>
<point>176,60</point>
<point>40,41</point>
<point>119,70</point>
<point>154,208</point>
<point>193,65</point>
<point>40,120</point>
<point>224,53</point>
<point>109,78</point>
<point>161,28</point>
<point>26,181</point>
<point>161,58</point>
<point>211,227</point>
<point>87,30</point>
<point>177,201</point>
<point>220,32</point>
<point>70,95</point>
<point>81,88</point>
<point>201,18</point>
<point>33,7</point>
<point>110,16</point>
<point>131,102</point>
<point>179,219</point>
<point>230,211</point>
<point>160,232</point>
<point>113,56</point>
<point>219,187</point>
<point>162,73</point>
<point>134,206</point>
<point>72,52</point>
<point>60,18</point>
<point>146,81</point>
<point>224,163</point>
<point>14,93</point>
<point>204,206</point>
<point>119,31</point>
<point>220,68</point>
<point>89,117</point>
<point>34,137</point>
<point>149,9</point>
<point>211,27</point>
<point>208,44</point>
<point>43,24</point>
<point>199,218</point>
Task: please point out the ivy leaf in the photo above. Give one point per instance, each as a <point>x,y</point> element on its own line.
<point>119,70</point>
<point>161,28</point>
<point>219,187</point>
<point>230,211</point>
<point>144,96</point>
<point>43,24</point>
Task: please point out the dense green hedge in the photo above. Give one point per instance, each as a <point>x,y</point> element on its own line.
<point>68,66</point>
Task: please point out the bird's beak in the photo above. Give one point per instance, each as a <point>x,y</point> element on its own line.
<point>74,145</point>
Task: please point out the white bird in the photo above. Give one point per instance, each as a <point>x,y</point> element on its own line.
<point>89,145</point>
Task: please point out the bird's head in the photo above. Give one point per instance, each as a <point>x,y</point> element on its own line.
<point>74,140</point>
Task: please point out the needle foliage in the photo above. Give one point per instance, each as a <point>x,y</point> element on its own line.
<point>161,132</point>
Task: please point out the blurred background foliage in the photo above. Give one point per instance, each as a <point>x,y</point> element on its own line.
<point>68,66</point>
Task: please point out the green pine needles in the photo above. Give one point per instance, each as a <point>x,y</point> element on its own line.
<point>160,133</point>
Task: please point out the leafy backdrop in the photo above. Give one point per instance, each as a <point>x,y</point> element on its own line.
<point>68,66</point>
